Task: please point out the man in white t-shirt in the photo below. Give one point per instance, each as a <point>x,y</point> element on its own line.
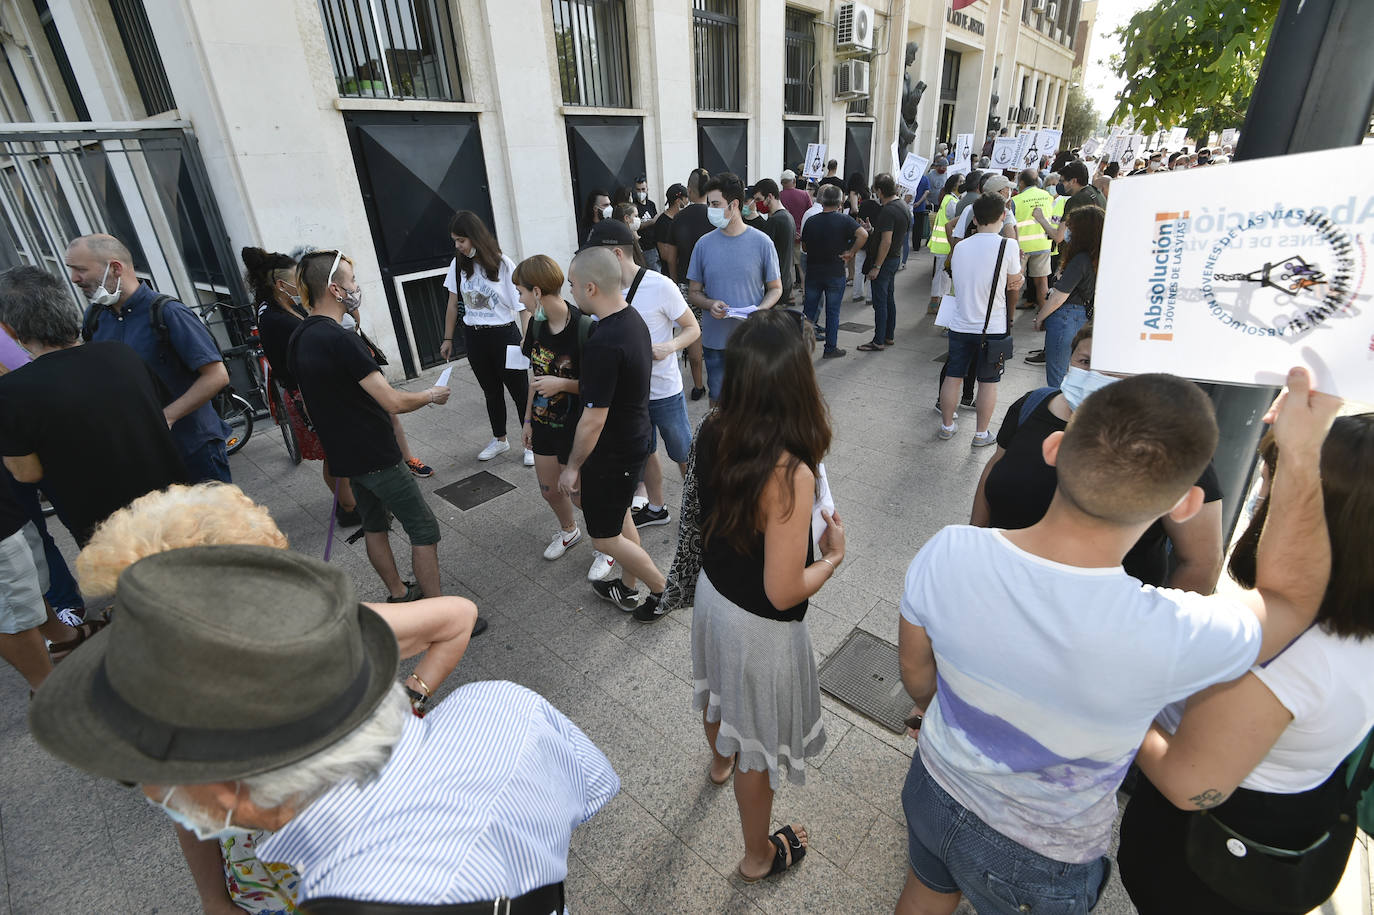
<point>979,274</point>
<point>660,303</point>
<point>1040,663</point>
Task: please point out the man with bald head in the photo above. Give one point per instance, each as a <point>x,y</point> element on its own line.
<point>612,438</point>
<point>171,339</point>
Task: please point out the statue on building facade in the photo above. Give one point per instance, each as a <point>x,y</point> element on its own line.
<point>911,101</point>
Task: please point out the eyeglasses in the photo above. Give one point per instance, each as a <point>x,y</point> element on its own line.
<point>338,256</point>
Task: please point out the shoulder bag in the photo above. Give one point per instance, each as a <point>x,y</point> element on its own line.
<point>993,354</point>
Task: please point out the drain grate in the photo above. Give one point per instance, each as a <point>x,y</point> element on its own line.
<point>864,674</point>
<point>855,328</point>
<point>472,491</point>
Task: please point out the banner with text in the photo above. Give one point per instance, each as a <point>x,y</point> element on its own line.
<point>1214,279</point>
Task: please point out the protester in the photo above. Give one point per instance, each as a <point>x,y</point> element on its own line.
<point>74,402</point>
<point>1045,694</point>
<point>889,227</point>
<point>598,208</point>
<point>939,241</point>
<point>752,660</point>
<point>1081,193</point>
<point>831,177</point>
<point>734,272</point>
<point>647,211</point>
<point>493,319</point>
<point>691,224</point>
<point>1265,754</point>
<point>1017,484</point>
<point>612,437</point>
<point>168,336</point>
<point>863,207</point>
<point>1035,244</point>
<point>831,240</point>
<point>1103,185</point>
<point>1070,306</point>
<point>26,619</point>
<point>985,270</point>
<point>922,202</point>
<point>780,228</point>
<point>492,781</point>
<point>797,202</point>
<point>351,404</point>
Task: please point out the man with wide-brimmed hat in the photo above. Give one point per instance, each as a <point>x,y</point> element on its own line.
<point>307,733</point>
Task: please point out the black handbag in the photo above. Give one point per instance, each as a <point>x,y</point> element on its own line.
<point>993,354</point>
<point>1263,878</point>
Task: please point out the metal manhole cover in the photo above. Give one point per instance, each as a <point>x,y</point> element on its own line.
<point>855,327</point>
<point>865,674</point>
<point>472,491</point>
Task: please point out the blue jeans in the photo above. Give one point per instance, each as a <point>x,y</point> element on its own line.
<point>906,247</point>
<point>669,416</point>
<point>651,259</point>
<point>1060,327</point>
<point>208,462</point>
<point>884,302</point>
<point>714,361</point>
<point>952,850</point>
<point>831,285</point>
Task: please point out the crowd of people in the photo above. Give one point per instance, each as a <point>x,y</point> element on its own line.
<point>1069,629</point>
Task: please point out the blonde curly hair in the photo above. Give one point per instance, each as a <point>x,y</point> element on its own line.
<point>178,516</point>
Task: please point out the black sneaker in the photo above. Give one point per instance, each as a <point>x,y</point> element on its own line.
<point>835,353</point>
<point>652,610</point>
<point>697,393</point>
<point>614,590</point>
<point>647,517</point>
<point>479,627</point>
<point>1035,357</point>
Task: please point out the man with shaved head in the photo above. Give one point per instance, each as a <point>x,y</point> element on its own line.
<point>612,438</point>
<point>169,337</point>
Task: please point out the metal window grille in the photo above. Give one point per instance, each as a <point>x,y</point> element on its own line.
<point>593,47</point>
<point>399,49</point>
<point>799,74</point>
<point>715,27</point>
<point>949,76</point>
<point>140,49</point>
<point>64,64</point>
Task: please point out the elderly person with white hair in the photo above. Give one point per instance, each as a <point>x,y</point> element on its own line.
<point>308,734</point>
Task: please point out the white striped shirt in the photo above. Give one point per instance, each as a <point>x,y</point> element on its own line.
<point>478,801</point>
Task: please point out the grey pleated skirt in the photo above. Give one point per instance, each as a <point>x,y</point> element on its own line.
<point>757,677</point>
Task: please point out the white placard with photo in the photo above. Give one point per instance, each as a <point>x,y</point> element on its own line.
<point>963,150</point>
<point>1005,153</point>
<point>912,169</point>
<point>815,161</point>
<point>1049,140</point>
<point>1177,137</point>
<point>1215,280</point>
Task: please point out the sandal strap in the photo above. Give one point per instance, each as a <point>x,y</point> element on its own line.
<point>798,849</point>
<point>779,856</point>
<point>83,632</point>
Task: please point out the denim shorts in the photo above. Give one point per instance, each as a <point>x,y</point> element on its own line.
<point>669,416</point>
<point>963,357</point>
<point>951,850</point>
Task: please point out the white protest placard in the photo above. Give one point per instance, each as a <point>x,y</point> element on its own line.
<point>896,164</point>
<point>1090,147</point>
<point>516,360</point>
<point>912,169</point>
<point>1177,137</point>
<point>815,161</point>
<point>961,167</point>
<point>1005,152</point>
<point>1230,275</point>
<point>1049,140</point>
<point>1229,136</point>
<point>1116,142</point>
<point>963,150</point>
<point>824,502</point>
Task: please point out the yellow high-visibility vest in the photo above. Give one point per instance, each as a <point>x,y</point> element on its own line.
<point>1030,233</point>
<point>1059,203</point>
<point>939,240</point>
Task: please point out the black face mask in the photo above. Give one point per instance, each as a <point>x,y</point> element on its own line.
<point>1063,189</point>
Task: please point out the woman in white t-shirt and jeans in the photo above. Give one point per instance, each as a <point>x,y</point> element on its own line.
<point>1290,724</point>
<point>493,319</point>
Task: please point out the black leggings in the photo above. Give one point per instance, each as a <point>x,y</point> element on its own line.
<point>487,356</point>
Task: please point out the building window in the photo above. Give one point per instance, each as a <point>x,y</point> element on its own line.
<point>64,64</point>
<point>400,49</point>
<point>949,76</point>
<point>799,72</point>
<point>715,24</point>
<point>140,49</point>
<point>593,46</point>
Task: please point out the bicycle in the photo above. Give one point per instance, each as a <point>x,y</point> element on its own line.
<point>248,362</point>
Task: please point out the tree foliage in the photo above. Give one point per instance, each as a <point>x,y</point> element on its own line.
<point>1191,63</point>
<point>1080,117</point>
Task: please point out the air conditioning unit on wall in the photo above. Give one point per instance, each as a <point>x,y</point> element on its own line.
<point>854,27</point>
<point>1038,6</point>
<point>851,79</point>
<point>1052,10</point>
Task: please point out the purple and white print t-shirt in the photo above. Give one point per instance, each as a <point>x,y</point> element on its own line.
<point>1048,677</point>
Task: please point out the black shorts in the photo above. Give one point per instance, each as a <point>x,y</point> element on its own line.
<point>608,488</point>
<point>552,442</point>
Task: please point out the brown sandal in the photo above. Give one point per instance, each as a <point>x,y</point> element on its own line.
<point>59,650</point>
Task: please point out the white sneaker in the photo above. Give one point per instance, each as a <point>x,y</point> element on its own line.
<point>601,567</point>
<point>561,542</point>
<point>529,458</point>
<point>494,447</point>
<point>947,432</point>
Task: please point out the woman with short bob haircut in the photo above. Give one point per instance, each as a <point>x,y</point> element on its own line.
<point>752,661</point>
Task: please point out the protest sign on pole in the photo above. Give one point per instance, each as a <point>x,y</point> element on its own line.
<point>1090,147</point>
<point>815,161</point>
<point>1004,153</point>
<point>963,150</point>
<point>912,169</point>
<point>1215,280</point>
<point>1229,137</point>
<point>1049,140</point>
<point>1177,137</point>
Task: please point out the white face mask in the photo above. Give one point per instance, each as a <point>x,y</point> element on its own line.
<point>718,217</point>
<point>1079,383</point>
<point>103,296</point>
<point>607,211</point>
<point>192,825</point>
<point>642,196</point>
<point>634,224</point>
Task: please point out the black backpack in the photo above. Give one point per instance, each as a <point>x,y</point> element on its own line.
<point>155,318</point>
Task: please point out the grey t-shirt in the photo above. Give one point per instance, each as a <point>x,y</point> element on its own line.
<point>735,270</point>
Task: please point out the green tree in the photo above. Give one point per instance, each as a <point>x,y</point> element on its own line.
<point>1191,63</point>
<point>1080,117</point>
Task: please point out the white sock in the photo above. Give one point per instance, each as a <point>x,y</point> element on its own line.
<point>654,508</point>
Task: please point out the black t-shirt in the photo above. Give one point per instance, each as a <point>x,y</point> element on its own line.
<point>893,217</point>
<point>93,415</point>
<point>663,230</point>
<point>1086,197</point>
<point>616,365</point>
<point>1078,279</point>
<point>826,236</point>
<point>830,179</point>
<point>559,355</point>
<point>12,515</point>
<point>691,223</point>
<point>646,210</point>
<point>328,363</point>
<point>275,327</point>
<point>1021,486</point>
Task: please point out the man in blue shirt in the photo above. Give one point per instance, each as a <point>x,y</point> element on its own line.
<point>185,357</point>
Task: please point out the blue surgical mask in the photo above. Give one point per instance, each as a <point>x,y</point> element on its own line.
<point>719,218</point>
<point>190,825</point>
<point>1079,383</point>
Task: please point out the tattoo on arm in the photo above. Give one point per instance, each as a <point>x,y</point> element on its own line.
<point>1209,798</point>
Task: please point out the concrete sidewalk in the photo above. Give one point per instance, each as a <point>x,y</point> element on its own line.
<point>670,841</point>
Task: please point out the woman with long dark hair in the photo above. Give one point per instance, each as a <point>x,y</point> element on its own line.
<point>1265,755</point>
<point>493,319</point>
<point>752,661</point>
<point>272,277</point>
<point>1070,303</point>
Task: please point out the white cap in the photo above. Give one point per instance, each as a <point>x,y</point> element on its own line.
<point>788,175</point>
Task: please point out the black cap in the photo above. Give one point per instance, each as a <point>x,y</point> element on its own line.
<point>610,233</point>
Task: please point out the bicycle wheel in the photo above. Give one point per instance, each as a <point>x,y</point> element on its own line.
<point>238,413</point>
<point>288,432</point>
